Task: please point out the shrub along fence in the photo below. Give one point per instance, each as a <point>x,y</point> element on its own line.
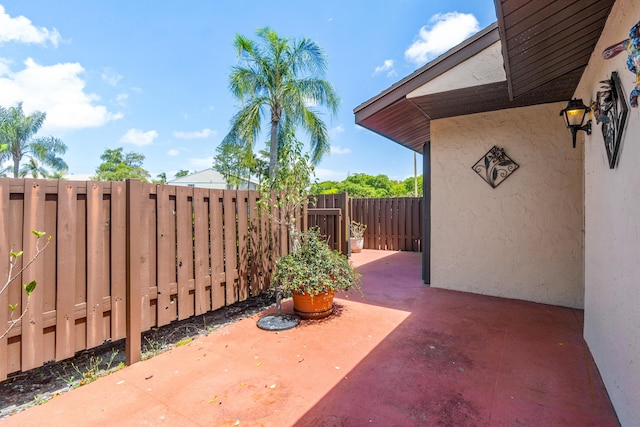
<point>125,257</point>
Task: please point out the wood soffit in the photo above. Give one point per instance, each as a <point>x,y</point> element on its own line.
<point>546,46</point>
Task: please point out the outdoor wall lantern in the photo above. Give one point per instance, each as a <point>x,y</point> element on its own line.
<point>574,117</point>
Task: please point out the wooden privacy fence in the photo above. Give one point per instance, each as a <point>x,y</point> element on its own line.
<point>392,224</point>
<point>329,212</point>
<point>125,257</point>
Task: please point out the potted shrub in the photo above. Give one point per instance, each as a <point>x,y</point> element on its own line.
<point>356,236</point>
<point>312,274</point>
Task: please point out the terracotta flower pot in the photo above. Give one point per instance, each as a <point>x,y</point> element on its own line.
<point>313,307</point>
<point>356,245</point>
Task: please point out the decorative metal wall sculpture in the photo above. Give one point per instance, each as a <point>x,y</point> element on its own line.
<point>495,166</point>
<point>610,110</point>
<point>632,46</point>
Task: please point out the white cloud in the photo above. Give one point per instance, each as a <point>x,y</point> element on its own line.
<point>138,137</point>
<point>57,90</point>
<point>21,30</point>
<point>121,99</point>
<point>441,33</point>
<point>197,134</point>
<point>336,149</point>
<point>5,66</point>
<point>173,152</point>
<point>111,77</point>
<point>336,131</point>
<point>387,67</point>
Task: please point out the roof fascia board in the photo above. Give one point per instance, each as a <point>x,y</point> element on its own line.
<point>438,66</point>
<point>503,41</point>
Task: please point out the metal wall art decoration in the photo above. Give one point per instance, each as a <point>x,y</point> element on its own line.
<point>610,110</point>
<point>632,46</point>
<point>495,166</point>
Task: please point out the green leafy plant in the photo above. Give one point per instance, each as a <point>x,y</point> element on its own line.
<point>290,183</point>
<point>284,193</point>
<point>90,370</point>
<point>314,268</point>
<point>152,348</point>
<point>28,287</point>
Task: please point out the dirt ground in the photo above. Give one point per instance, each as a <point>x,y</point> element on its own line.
<point>25,389</point>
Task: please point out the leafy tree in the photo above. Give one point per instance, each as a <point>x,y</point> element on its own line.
<point>398,189</point>
<point>117,166</point>
<point>290,182</point>
<point>234,162</point>
<point>161,178</point>
<point>17,136</point>
<point>283,77</point>
<point>409,185</point>
<point>325,187</point>
<point>181,173</point>
<point>357,190</point>
<point>364,185</point>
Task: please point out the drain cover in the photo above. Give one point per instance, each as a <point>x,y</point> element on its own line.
<point>278,322</point>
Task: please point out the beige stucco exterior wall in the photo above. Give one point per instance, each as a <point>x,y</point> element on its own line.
<point>612,232</point>
<point>523,239</point>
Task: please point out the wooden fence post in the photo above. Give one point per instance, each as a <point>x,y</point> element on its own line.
<point>32,323</point>
<point>134,246</point>
<point>66,280</point>
<point>4,271</point>
<point>345,221</point>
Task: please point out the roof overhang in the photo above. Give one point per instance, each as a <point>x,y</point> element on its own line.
<point>546,46</point>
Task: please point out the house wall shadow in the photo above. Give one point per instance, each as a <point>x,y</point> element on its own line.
<point>463,359</point>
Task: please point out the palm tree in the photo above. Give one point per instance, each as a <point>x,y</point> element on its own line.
<point>17,132</point>
<point>285,77</point>
<point>34,169</point>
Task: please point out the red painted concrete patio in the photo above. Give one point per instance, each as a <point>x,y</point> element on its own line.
<point>401,354</point>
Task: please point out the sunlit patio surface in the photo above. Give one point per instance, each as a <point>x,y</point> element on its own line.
<point>400,354</point>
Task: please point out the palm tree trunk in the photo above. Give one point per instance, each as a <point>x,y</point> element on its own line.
<point>16,167</point>
<point>273,149</point>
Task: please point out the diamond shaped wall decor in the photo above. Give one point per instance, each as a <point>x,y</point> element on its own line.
<point>495,166</point>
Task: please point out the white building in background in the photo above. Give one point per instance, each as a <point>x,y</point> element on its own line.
<point>211,178</point>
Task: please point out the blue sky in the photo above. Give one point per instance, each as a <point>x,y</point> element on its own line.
<point>152,76</point>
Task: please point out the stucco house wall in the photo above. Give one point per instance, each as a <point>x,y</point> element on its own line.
<point>523,239</point>
<point>612,232</point>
